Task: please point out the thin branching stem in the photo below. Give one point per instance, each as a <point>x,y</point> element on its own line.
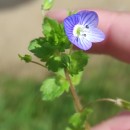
<point>106,99</point>
<point>103,100</point>
<point>76,100</point>
<point>38,64</point>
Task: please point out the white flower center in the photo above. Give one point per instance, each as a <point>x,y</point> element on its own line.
<point>80,31</point>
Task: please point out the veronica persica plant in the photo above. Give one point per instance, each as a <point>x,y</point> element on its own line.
<point>81,29</point>
<point>57,55</point>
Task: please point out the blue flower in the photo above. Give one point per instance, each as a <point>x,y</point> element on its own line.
<point>81,29</point>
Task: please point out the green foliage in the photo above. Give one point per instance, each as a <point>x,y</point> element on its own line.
<point>78,120</point>
<point>41,48</point>
<point>51,48</point>
<point>74,78</point>
<point>50,26</point>
<point>55,35</point>
<point>75,120</point>
<point>57,62</point>
<point>54,87</point>
<point>68,128</point>
<point>78,60</point>
<point>47,4</point>
<point>54,63</point>
<point>26,58</point>
<point>65,59</point>
<point>21,107</point>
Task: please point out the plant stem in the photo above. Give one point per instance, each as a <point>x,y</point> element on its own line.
<point>106,99</point>
<point>38,64</point>
<point>70,50</point>
<point>76,100</point>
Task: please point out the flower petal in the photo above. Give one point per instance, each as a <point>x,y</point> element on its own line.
<point>95,35</point>
<point>82,43</point>
<point>88,18</point>
<point>87,21</point>
<point>69,24</point>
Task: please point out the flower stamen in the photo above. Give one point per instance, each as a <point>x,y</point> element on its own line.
<point>79,30</point>
<point>87,26</point>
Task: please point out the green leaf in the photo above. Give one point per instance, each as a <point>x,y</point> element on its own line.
<point>78,61</point>
<point>75,120</point>
<point>47,4</point>
<point>78,120</point>
<point>50,26</point>
<point>54,63</point>
<point>26,58</point>
<point>51,89</point>
<point>74,78</point>
<point>55,35</point>
<point>41,48</point>
<point>62,82</point>
<point>36,43</point>
<point>68,128</point>
<point>85,113</point>
<point>65,59</point>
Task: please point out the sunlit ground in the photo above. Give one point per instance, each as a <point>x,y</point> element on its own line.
<point>21,107</point>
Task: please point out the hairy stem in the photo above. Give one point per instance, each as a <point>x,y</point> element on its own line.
<point>38,64</point>
<point>106,99</point>
<point>76,100</point>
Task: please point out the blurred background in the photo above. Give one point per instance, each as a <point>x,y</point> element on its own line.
<point>21,107</point>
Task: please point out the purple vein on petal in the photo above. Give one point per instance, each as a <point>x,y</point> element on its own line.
<point>79,34</point>
<point>88,18</point>
<point>95,35</point>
